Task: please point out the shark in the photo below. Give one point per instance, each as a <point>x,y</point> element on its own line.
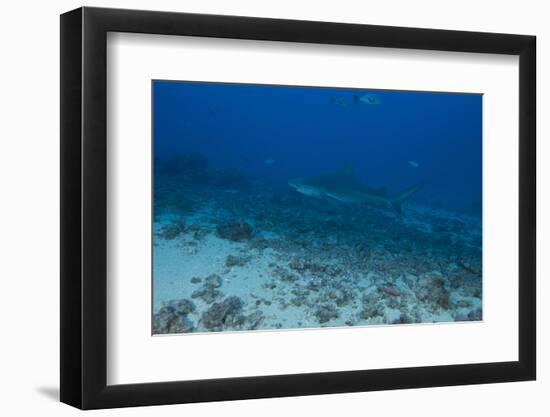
<point>343,186</point>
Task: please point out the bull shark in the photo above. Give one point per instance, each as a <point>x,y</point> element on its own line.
<point>343,187</point>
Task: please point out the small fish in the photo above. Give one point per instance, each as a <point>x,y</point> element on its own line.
<point>366,99</point>
<point>269,161</point>
<point>413,164</point>
<point>338,101</point>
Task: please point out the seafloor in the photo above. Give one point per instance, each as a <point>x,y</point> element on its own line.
<point>235,254</point>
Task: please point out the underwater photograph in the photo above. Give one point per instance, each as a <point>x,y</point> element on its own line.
<point>282,207</point>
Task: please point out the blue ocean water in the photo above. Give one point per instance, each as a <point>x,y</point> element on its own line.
<point>304,132</point>
<point>225,155</point>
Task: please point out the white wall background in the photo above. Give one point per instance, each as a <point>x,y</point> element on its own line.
<point>29,177</point>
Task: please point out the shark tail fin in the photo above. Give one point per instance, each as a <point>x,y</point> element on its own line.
<point>400,198</point>
<point>355,98</point>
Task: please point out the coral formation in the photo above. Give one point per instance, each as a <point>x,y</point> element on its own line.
<point>224,315</point>
<point>181,164</point>
<point>232,261</point>
<point>172,230</point>
<point>182,307</point>
<point>236,232</point>
<point>326,312</point>
<point>209,291</point>
<point>169,320</point>
<point>432,290</point>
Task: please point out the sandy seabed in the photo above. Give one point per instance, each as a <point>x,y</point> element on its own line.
<point>246,275</point>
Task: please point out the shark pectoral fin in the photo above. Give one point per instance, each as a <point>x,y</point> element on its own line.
<point>336,197</point>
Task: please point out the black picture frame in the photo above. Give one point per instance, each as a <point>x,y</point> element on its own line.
<point>84,207</point>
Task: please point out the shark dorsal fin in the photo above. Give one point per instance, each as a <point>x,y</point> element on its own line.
<point>346,170</point>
